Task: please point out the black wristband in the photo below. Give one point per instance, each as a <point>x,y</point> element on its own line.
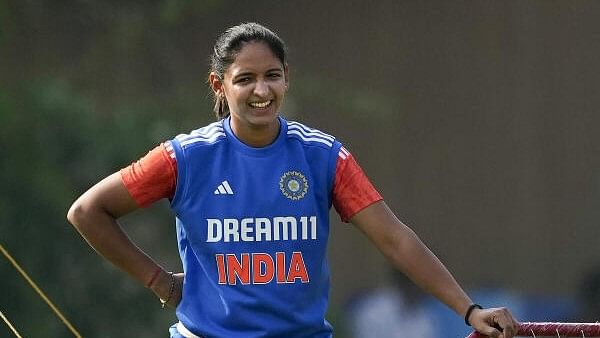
<point>469,310</point>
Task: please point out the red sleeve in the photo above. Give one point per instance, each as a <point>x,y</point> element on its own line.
<point>152,177</point>
<point>352,190</point>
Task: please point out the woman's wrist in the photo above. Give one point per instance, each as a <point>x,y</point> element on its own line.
<point>470,310</point>
<point>169,297</point>
<point>154,277</point>
<point>162,284</point>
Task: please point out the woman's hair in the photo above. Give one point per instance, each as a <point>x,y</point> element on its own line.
<point>228,46</point>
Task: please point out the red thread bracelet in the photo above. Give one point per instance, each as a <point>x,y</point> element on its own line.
<point>154,275</point>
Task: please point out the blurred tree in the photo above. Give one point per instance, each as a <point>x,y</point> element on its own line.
<point>70,113</point>
<point>54,145</point>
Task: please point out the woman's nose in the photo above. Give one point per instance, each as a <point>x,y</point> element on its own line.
<point>261,89</point>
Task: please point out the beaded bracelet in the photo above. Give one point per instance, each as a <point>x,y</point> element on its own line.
<point>163,302</point>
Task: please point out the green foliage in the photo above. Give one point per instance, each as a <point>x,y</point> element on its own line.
<point>54,146</point>
<point>86,98</point>
<point>3,16</point>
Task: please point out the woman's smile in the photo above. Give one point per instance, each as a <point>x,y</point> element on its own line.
<point>261,104</point>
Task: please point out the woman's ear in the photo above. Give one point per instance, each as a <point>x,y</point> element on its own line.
<point>215,84</point>
<point>286,73</point>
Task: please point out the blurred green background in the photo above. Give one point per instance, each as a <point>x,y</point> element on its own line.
<point>478,122</point>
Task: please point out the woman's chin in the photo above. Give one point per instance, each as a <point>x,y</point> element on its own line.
<point>263,117</point>
<point>263,121</point>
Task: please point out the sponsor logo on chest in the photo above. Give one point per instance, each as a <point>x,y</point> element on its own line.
<point>248,268</point>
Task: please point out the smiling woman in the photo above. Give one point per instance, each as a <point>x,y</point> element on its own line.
<point>252,89</point>
<point>251,194</point>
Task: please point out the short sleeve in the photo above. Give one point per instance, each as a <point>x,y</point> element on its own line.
<point>352,190</point>
<point>152,177</point>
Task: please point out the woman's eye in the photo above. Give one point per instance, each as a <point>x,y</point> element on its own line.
<point>243,80</point>
<point>274,75</point>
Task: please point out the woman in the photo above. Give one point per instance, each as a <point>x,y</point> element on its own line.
<point>252,194</point>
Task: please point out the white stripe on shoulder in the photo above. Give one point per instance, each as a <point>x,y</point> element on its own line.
<point>307,134</point>
<point>309,131</point>
<point>205,132</point>
<point>207,140</point>
<point>208,129</point>
<point>169,148</point>
<point>309,139</point>
<point>208,134</point>
<point>344,153</point>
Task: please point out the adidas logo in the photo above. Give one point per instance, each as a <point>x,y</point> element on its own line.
<point>224,189</point>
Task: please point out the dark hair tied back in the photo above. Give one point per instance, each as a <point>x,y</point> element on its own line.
<point>230,43</point>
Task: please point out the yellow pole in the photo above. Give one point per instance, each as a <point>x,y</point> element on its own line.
<point>40,292</point>
<point>10,325</point>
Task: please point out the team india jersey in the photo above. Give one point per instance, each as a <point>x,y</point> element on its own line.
<point>252,229</point>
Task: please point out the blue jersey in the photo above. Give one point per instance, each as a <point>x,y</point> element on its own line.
<point>252,230</point>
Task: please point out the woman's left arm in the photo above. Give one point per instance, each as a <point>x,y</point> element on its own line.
<point>411,256</point>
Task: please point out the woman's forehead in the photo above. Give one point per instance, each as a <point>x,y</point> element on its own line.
<point>255,57</point>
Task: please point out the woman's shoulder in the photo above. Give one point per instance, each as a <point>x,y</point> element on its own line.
<point>208,134</point>
<point>309,135</point>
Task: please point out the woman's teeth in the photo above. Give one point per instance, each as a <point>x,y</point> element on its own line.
<point>260,104</point>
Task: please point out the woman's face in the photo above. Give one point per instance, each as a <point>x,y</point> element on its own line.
<point>254,86</point>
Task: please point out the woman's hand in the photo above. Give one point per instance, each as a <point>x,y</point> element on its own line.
<point>489,321</point>
<point>162,288</point>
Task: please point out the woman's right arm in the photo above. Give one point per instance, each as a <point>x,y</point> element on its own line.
<point>94,214</point>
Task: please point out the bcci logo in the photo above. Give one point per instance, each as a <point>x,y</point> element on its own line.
<point>293,185</point>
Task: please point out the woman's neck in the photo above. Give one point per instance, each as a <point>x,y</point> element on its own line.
<point>256,136</point>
